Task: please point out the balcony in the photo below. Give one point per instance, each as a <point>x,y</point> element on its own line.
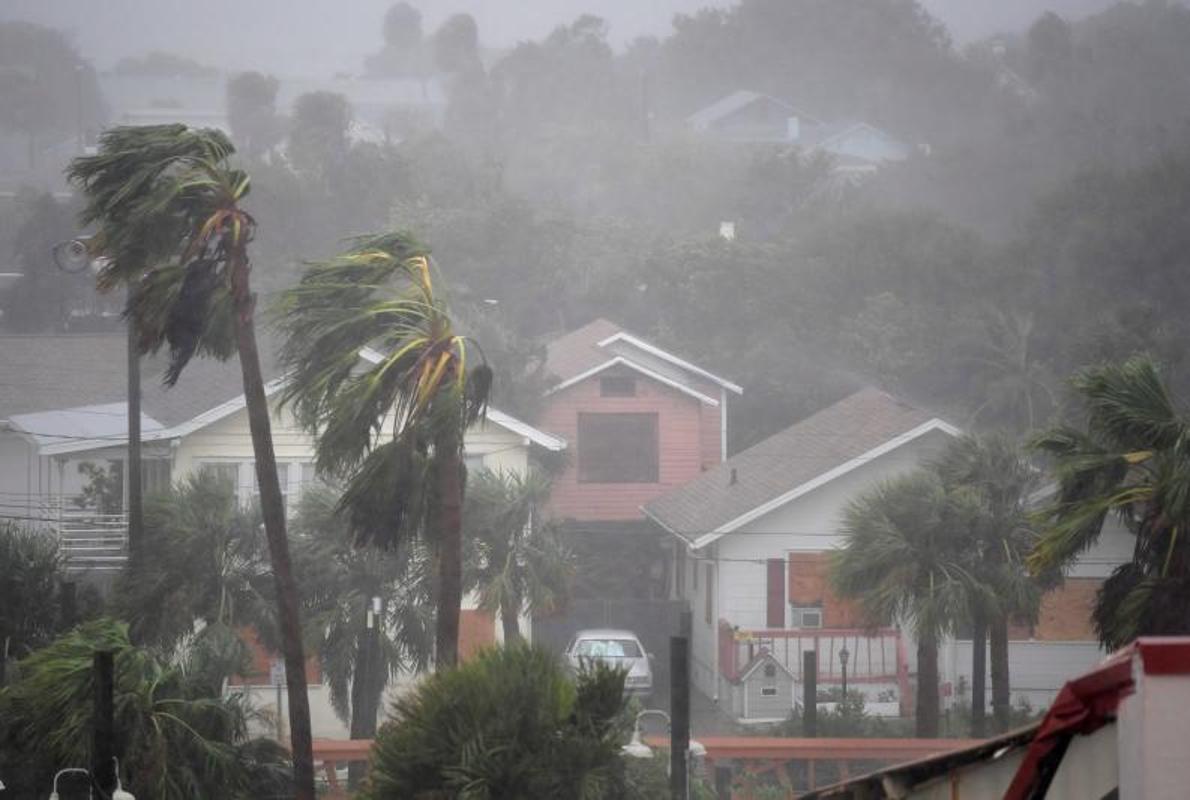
<point>89,540</point>
<point>877,663</point>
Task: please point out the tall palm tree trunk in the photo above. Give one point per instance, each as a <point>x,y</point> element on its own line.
<point>1001,700</point>
<point>449,479</point>
<point>927,686</point>
<point>979,673</point>
<point>273,509</point>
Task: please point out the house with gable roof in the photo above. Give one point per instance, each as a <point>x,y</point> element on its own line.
<point>754,538</point>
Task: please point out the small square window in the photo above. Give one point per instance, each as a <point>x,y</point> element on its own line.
<point>617,386</point>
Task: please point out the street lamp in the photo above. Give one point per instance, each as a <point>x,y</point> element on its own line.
<point>843,656</point>
<point>118,794</point>
<point>636,747</point>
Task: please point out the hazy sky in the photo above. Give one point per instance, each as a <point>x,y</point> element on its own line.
<point>317,37</point>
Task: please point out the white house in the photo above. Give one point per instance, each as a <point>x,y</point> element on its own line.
<point>62,404</point>
<point>752,538</point>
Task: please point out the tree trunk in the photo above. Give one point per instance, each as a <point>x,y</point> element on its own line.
<point>367,689</point>
<point>979,674</point>
<point>1001,697</point>
<point>449,478</point>
<point>273,509</point>
<point>927,686</point>
<point>512,625</point>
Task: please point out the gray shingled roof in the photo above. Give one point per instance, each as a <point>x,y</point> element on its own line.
<point>785,461</point>
<point>54,372</point>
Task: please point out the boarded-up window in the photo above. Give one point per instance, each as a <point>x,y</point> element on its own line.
<point>809,587</point>
<point>775,585</point>
<point>709,610</point>
<point>618,448</point>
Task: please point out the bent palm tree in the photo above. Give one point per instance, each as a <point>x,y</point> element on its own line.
<point>517,561</point>
<point>904,559</point>
<point>1003,480</point>
<point>167,203</point>
<point>1131,460</point>
<point>379,294</point>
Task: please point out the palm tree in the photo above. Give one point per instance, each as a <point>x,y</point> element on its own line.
<point>167,205</point>
<point>508,723</point>
<point>178,737</point>
<point>29,609</point>
<point>1130,459</point>
<point>397,487</point>
<point>904,559</point>
<point>361,649</point>
<point>997,472</point>
<point>204,563</point>
<point>517,560</point>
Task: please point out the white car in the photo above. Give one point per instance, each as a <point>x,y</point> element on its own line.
<point>617,648</point>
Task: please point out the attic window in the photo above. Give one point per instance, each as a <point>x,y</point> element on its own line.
<point>617,386</point>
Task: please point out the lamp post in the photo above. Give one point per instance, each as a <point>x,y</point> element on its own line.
<point>636,747</point>
<point>843,656</point>
<point>118,794</point>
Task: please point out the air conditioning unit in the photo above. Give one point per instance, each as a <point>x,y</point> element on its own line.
<point>806,617</point>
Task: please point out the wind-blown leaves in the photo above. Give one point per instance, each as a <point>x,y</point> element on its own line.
<point>178,738</point>
<point>1132,461</point>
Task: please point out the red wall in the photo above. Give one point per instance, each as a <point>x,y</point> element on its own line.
<point>689,441</point>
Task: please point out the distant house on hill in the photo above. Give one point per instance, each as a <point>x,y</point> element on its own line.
<point>748,117</point>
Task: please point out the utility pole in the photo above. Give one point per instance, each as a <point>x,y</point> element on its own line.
<point>136,519</point>
<point>103,727</point>
<point>679,698</point>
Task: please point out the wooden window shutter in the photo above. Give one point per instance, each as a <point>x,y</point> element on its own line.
<point>775,592</point>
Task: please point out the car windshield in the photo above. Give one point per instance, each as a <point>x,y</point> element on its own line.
<point>608,648</point>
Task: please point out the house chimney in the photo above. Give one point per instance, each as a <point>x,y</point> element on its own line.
<point>733,479</point>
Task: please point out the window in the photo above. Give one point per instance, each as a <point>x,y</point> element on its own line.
<point>155,475</point>
<point>709,608</point>
<point>768,691</point>
<point>241,475</point>
<point>473,462</point>
<point>617,448</point>
<point>608,648</point>
<point>617,386</point>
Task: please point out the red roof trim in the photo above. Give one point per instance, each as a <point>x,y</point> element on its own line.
<point>1090,701</point>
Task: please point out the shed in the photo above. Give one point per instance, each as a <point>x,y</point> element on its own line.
<point>764,690</point>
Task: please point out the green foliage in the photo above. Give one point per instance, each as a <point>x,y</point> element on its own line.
<point>204,563</point>
<point>176,736</point>
<point>516,559</point>
<point>104,489</point>
<point>318,132</point>
<point>1129,460</point>
<point>849,719</point>
<point>29,585</point>
<point>507,724</point>
<point>252,112</point>
<point>338,582</point>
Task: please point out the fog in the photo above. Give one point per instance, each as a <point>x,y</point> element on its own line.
<point>326,36</point>
<point>844,325</point>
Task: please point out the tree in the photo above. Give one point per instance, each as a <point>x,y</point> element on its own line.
<point>167,204</point>
<point>403,44</point>
<point>318,141</point>
<point>204,566</point>
<point>379,294</point>
<point>456,45</point>
<point>1129,459</point>
<point>518,562</point>
<point>178,737</point>
<point>508,723</point>
<point>904,559</point>
<point>46,89</point>
<point>252,112</point>
<point>29,610</point>
<point>44,297</point>
<point>1003,480</point>
<point>1015,384</point>
<point>360,650</point>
